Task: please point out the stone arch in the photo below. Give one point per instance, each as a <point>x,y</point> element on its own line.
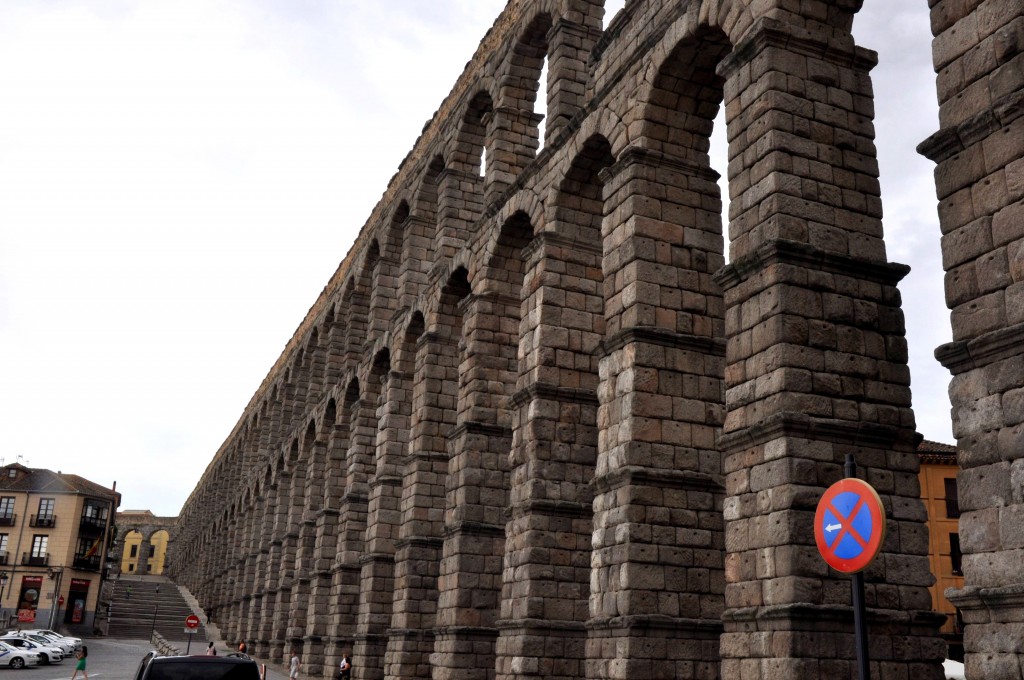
<point>355,302</point>
<point>394,233</point>
<point>519,84</point>
<point>149,557</point>
<point>316,361</point>
<point>472,140</point>
<point>380,274</point>
<point>425,204</point>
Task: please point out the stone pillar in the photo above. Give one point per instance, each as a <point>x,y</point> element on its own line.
<point>514,147</point>
<point>323,520</point>
<point>546,579</point>
<point>476,492</point>
<point>271,628</point>
<point>258,634</point>
<point>469,582</point>
<point>417,246</point>
<point>459,205</point>
<point>978,53</point>
<point>816,369</point>
<point>285,602</point>
<point>255,569</point>
<point>569,46</point>
<point>345,586</point>
<point>420,531</point>
<point>657,579</point>
<point>378,561</point>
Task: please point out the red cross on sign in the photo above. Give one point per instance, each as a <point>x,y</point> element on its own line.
<point>849,525</point>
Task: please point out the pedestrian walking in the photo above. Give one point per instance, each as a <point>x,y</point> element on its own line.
<point>211,650</point>
<point>293,666</point>
<point>242,647</point>
<point>81,654</point>
<point>345,668</point>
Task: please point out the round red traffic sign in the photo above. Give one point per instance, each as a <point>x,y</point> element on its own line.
<point>191,621</point>
<point>849,525</point>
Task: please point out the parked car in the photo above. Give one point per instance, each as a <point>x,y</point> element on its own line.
<point>54,634</point>
<point>17,658</point>
<point>231,667</point>
<point>65,646</point>
<point>47,653</point>
<point>69,645</point>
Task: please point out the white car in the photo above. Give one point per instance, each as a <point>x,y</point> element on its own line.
<point>17,658</point>
<point>48,653</point>
<point>47,631</point>
<point>69,645</point>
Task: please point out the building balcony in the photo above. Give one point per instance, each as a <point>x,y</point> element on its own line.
<point>8,520</point>
<point>35,560</point>
<point>43,521</point>
<point>87,563</point>
<point>3,557</point>
<point>92,525</point>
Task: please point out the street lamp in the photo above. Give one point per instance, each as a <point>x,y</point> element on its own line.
<point>3,584</point>
<point>156,611</point>
<point>55,575</point>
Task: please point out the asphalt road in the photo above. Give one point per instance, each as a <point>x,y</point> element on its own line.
<point>109,659</point>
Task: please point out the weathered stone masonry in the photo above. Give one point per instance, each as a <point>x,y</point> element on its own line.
<point>535,426</point>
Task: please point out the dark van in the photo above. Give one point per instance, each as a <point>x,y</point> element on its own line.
<point>230,667</point>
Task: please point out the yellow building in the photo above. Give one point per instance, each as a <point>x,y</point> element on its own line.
<point>52,531</point>
<point>939,492</point>
<point>142,556</point>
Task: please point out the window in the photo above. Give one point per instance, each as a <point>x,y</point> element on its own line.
<point>7,509</point>
<point>952,500</point>
<point>134,551</point>
<point>3,548</point>
<point>45,517</point>
<point>95,510</point>
<point>39,556</point>
<point>955,556</point>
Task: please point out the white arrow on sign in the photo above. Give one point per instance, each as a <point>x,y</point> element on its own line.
<point>833,527</point>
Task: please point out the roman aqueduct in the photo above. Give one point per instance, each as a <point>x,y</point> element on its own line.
<point>536,426</point>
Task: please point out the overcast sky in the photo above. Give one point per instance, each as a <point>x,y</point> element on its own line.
<point>180,178</point>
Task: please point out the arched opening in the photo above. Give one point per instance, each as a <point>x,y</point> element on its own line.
<point>471,152</point>
<point>131,560</point>
<point>422,233</point>
<point>529,72</point>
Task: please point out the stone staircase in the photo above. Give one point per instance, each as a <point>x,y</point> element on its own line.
<point>141,605</point>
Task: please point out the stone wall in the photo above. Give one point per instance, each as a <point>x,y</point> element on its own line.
<point>535,426</point>
<point>979,55</point>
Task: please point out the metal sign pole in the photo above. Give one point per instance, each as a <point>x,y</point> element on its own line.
<point>860,626</point>
<point>188,647</point>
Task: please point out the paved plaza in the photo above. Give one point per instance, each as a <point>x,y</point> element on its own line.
<point>109,659</point>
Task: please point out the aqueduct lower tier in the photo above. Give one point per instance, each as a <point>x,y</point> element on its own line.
<point>537,427</point>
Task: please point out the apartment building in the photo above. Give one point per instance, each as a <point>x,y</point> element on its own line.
<point>939,493</point>
<point>53,528</point>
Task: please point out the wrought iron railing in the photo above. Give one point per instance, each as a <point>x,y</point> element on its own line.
<point>43,521</point>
